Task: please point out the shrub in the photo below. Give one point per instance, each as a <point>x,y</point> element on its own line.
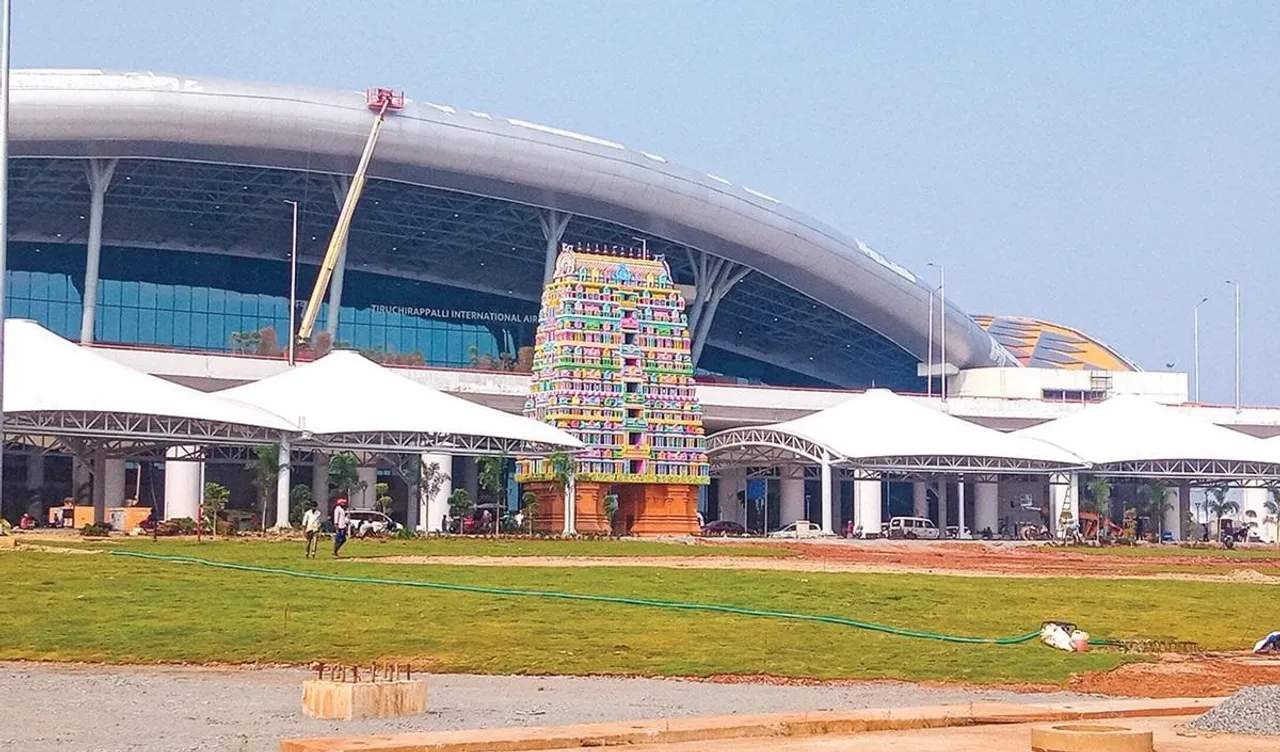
<point>96,530</point>
<point>406,533</point>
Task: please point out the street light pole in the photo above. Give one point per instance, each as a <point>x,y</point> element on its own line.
<point>5,14</point>
<point>1237,286</point>
<point>1196,319</point>
<point>942,319</point>
<point>929,356</point>
<point>942,312</point>
<point>293,286</point>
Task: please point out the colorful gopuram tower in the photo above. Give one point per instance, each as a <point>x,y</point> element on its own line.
<point>612,366</point>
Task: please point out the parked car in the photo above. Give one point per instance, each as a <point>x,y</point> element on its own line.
<point>911,528</point>
<point>723,528</point>
<point>953,532</point>
<point>380,524</point>
<point>798,529</point>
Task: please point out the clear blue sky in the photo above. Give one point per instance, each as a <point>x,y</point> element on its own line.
<point>1101,165</point>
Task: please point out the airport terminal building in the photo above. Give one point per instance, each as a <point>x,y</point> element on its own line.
<point>153,215</point>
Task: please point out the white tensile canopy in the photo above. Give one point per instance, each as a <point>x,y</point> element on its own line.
<point>1129,436</point>
<point>882,431</point>
<point>59,393</point>
<point>345,401</point>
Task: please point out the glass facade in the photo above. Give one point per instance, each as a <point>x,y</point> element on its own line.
<point>216,303</point>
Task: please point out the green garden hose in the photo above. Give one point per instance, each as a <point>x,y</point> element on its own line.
<point>677,605</point>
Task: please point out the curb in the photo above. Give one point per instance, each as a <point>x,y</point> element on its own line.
<point>747,727</point>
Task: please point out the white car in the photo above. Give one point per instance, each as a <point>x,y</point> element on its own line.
<point>798,529</point>
<point>920,528</point>
<point>380,524</point>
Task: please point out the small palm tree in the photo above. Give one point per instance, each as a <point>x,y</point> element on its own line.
<point>530,501</point>
<point>1097,499</point>
<point>1218,506</point>
<point>610,506</point>
<point>1272,507</point>
<point>1154,503</point>
<point>264,464</point>
<point>216,497</point>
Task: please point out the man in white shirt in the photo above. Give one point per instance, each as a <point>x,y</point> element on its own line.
<point>341,521</point>
<point>311,526</point>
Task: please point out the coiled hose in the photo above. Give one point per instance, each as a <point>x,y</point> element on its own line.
<point>677,605</point>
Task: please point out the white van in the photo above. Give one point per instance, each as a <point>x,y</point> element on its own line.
<point>912,528</point>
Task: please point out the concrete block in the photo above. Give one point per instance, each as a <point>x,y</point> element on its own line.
<point>349,701</point>
<point>1090,737</point>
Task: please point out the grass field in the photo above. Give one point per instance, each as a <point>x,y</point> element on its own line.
<point>115,609</point>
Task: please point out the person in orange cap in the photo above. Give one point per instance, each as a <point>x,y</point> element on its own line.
<point>341,521</point>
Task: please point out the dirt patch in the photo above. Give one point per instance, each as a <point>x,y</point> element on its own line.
<point>1179,676</point>
<point>960,560</point>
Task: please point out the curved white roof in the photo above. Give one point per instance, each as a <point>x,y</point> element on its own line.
<point>81,113</point>
<point>1133,434</point>
<point>882,430</point>
<point>344,400</point>
<point>53,387</point>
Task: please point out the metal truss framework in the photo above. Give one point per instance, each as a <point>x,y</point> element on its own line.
<point>468,241</point>
<point>762,450</point>
<point>755,446</point>
<point>148,437</point>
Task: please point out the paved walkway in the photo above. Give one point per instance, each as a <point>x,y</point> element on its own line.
<point>1168,738</point>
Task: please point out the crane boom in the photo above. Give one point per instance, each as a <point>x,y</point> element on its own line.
<point>382,100</point>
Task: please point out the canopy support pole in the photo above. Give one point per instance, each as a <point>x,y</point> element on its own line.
<point>283,477</point>
<point>570,505</point>
<point>826,496</point>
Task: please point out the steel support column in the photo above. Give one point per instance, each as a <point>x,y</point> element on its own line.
<point>827,515</point>
<point>553,224</point>
<point>283,484</point>
<point>341,183</point>
<point>712,278</point>
<point>99,172</point>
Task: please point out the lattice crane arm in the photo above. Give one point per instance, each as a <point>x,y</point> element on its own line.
<point>381,100</point>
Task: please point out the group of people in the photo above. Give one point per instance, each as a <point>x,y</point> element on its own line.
<point>312,520</point>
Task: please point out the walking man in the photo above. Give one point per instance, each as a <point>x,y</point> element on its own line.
<point>311,526</point>
<point>341,521</point>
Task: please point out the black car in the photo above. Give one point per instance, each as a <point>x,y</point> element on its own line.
<point>723,528</point>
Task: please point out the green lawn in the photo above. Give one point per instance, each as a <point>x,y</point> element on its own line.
<point>115,609</point>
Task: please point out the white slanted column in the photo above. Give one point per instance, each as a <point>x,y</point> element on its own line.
<point>791,495</point>
<point>283,481</point>
<point>986,508</point>
<point>320,482</point>
<point>961,518</point>
<point>366,495</point>
<point>919,499</point>
<point>731,482</point>
<point>828,517</point>
<point>182,485</point>
<point>866,498</point>
<point>113,480</point>
<point>1172,521</point>
<point>99,173</point>
<point>434,506</point>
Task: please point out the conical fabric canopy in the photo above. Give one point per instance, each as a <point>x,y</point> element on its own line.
<point>346,401</point>
<point>55,388</point>
<point>881,429</point>
<point>1134,434</point>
